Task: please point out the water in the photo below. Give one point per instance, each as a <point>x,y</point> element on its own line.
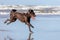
<point>46,28</point>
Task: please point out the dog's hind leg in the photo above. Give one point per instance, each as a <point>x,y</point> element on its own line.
<point>7,20</point>
<point>13,20</point>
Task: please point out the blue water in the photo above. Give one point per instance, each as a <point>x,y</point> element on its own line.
<point>45,28</point>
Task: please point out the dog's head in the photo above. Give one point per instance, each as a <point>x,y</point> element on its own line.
<point>31,12</point>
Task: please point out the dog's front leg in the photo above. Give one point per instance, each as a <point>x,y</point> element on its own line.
<point>29,27</point>
<point>32,26</point>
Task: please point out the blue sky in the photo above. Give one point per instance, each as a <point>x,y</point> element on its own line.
<point>30,2</point>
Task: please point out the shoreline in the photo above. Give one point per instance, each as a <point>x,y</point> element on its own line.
<point>7,13</point>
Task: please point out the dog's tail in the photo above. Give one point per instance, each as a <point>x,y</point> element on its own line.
<point>14,10</point>
<point>12,13</point>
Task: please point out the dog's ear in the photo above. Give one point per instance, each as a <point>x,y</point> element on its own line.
<point>14,10</point>
<point>30,10</point>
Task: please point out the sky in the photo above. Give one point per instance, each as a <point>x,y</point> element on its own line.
<point>30,2</point>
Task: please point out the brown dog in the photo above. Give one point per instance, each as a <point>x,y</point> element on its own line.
<point>23,17</point>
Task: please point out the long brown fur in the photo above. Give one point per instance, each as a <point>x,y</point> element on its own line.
<point>23,17</point>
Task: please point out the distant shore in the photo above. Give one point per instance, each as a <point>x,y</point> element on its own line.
<point>39,10</point>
